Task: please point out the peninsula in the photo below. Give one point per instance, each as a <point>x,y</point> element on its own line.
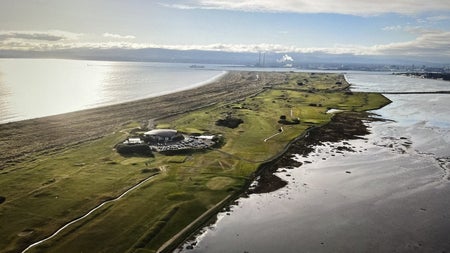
<point>66,188</point>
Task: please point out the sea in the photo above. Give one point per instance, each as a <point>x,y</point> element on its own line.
<point>390,193</point>
<point>33,88</point>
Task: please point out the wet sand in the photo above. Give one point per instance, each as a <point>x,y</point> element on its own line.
<point>381,192</point>
<point>23,139</point>
<point>344,126</point>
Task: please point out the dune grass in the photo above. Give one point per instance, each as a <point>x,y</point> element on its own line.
<point>47,192</point>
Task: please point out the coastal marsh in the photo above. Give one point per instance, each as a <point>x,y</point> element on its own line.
<point>44,193</point>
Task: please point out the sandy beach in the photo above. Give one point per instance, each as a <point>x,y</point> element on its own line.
<point>58,181</point>
<point>20,140</point>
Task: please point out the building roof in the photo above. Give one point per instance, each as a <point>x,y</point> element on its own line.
<point>162,132</point>
<point>134,140</point>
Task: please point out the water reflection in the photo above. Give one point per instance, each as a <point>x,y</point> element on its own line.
<point>386,82</point>
<point>32,88</point>
<point>390,195</point>
<point>49,87</point>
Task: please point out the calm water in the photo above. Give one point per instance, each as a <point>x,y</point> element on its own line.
<point>391,195</point>
<point>31,88</point>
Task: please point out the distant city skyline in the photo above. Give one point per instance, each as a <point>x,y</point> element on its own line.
<point>415,30</point>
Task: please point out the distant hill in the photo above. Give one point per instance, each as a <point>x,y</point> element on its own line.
<point>217,57</point>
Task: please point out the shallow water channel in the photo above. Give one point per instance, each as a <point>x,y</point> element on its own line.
<point>390,194</point>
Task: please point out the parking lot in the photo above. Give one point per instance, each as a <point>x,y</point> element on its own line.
<point>189,143</point>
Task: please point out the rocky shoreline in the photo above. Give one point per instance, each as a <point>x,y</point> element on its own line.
<point>343,126</point>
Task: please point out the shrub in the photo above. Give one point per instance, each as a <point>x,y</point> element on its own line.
<point>139,149</point>
<point>287,122</point>
<point>178,137</point>
<point>219,141</point>
<point>229,122</point>
<point>148,170</point>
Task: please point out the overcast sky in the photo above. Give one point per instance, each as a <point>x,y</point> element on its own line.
<point>362,27</point>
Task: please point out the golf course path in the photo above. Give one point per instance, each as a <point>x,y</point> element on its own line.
<point>89,213</point>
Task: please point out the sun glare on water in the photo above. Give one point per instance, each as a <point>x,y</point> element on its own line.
<point>60,86</point>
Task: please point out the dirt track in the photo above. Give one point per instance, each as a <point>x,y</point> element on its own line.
<point>20,139</point>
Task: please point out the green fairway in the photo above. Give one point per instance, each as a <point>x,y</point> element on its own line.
<point>47,191</point>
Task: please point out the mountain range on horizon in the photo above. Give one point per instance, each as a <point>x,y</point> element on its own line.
<point>262,59</point>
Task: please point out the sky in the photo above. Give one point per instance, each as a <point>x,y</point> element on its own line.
<point>406,28</point>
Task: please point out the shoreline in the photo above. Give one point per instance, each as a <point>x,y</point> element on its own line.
<point>239,83</point>
<point>358,194</point>
<point>426,75</point>
<point>200,84</point>
<point>265,176</point>
<point>20,140</point>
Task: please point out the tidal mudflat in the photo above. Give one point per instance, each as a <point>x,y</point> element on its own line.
<point>386,191</point>
<point>52,184</point>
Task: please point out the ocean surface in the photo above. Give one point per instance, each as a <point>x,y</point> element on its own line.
<point>390,195</point>
<point>31,88</point>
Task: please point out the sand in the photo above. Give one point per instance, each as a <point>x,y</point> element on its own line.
<point>347,190</point>
<point>23,139</point>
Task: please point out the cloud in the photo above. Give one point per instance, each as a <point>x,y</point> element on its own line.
<point>33,36</point>
<point>430,44</point>
<point>285,58</point>
<point>353,7</point>
<point>432,20</point>
<point>392,28</point>
<point>438,18</point>
<point>48,36</point>
<point>118,36</point>
<point>36,40</point>
<point>178,6</point>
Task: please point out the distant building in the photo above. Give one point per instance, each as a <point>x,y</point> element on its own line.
<point>133,141</point>
<point>163,135</point>
<point>205,137</point>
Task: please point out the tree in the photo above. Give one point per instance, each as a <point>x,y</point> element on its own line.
<point>137,149</point>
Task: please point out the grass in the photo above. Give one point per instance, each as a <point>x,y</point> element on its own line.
<point>219,183</point>
<point>45,193</point>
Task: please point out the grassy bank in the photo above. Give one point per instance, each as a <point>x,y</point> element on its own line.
<point>45,192</point>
